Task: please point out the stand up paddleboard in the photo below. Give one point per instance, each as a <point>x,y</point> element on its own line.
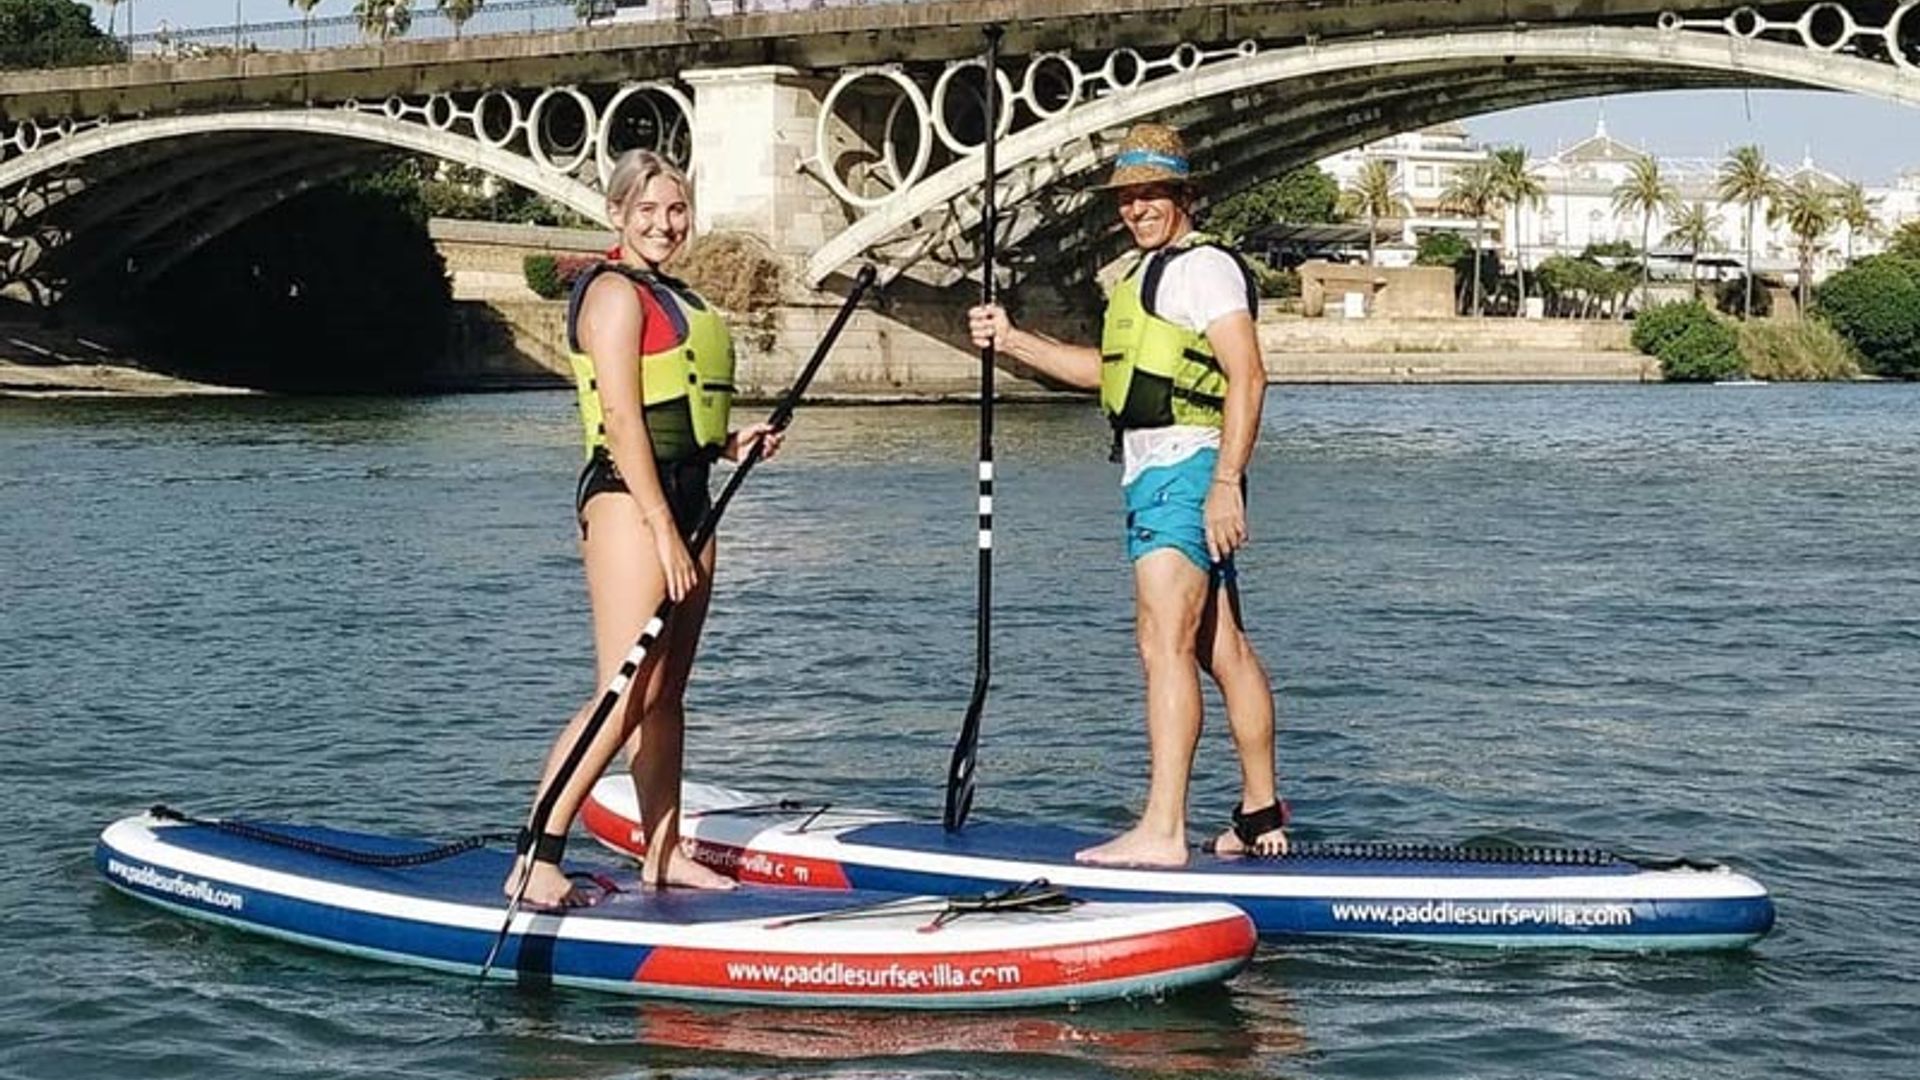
<point>752,945</point>
<point>1516,897</point>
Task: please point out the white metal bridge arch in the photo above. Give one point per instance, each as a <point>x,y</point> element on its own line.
<point>202,174</point>
<point>1248,126</point>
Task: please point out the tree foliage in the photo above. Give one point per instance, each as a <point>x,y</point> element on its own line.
<point>1583,287</point>
<point>384,19</point>
<point>1809,211</point>
<point>1906,241</point>
<point>459,11</point>
<point>52,33</point>
<point>1305,196</point>
<point>1875,305</point>
<point>1476,191</point>
<point>1746,180</point>
<point>1645,193</point>
<point>428,188</point>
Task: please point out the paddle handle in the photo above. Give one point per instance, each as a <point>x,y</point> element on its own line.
<point>960,768</point>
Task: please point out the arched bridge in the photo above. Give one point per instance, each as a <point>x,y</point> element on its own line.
<point>850,133</point>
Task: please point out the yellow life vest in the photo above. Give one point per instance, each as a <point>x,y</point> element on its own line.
<point>1156,373</point>
<point>686,391</point>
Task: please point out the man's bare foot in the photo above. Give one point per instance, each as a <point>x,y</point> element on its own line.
<point>547,886</point>
<point>1229,845</point>
<point>682,872</point>
<point>1270,843</point>
<point>1137,847</point>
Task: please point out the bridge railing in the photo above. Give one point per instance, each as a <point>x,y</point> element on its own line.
<point>424,22</point>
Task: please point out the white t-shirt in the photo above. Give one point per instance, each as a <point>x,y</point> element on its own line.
<point>1195,289</point>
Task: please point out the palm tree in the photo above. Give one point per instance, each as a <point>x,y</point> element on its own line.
<point>1474,190</point>
<point>112,6</point>
<point>1857,213</point>
<point>1747,180</point>
<point>1375,194</point>
<point>384,19</point>
<point>1693,228</point>
<point>1520,188</point>
<point>1644,192</point>
<point>1809,211</point>
<point>458,12</point>
<point>306,19</point>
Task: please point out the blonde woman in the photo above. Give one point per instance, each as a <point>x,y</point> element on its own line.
<point>654,367</point>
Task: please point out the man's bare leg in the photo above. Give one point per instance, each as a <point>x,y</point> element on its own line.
<point>1169,597</point>
<point>1248,693</point>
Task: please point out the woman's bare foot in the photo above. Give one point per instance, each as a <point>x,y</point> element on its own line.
<point>547,886</point>
<point>682,872</point>
<point>1138,846</point>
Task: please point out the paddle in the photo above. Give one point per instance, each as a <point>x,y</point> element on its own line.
<point>960,769</point>
<point>617,686</point>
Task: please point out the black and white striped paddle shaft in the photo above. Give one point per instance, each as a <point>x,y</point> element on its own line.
<point>960,769</point>
<point>617,686</point>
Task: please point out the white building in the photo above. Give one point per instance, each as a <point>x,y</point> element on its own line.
<point>1577,210</point>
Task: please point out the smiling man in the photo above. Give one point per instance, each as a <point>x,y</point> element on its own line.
<point>1181,379</point>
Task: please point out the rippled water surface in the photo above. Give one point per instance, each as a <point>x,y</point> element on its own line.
<point>1672,619</point>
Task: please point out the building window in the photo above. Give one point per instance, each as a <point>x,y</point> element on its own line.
<point>1423,176</point>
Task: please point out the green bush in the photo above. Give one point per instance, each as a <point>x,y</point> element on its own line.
<point>1703,352</point>
<point>1875,305</point>
<point>552,278</point>
<point>1274,284</point>
<point>1803,350</point>
<point>543,276</point>
<point>1654,330</point>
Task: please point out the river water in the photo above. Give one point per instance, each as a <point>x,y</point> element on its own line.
<point>1676,619</point>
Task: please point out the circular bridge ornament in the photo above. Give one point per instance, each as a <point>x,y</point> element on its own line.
<point>668,130</point>
<point>944,85</point>
<point>1746,23</point>
<point>923,153</point>
<point>1827,27</point>
<point>556,152</point>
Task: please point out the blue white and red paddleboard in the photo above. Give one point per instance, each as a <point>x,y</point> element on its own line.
<point>1461,896</point>
<point>752,945</point>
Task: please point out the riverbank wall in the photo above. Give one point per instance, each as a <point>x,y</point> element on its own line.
<point>903,353</point>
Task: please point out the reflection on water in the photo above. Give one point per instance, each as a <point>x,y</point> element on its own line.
<point>1196,1033</point>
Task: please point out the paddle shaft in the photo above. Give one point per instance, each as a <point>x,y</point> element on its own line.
<point>710,521</point>
<point>960,770</point>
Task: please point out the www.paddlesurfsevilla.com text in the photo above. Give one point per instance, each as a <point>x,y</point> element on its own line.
<point>178,885</point>
<point>1450,913</point>
<point>889,976</point>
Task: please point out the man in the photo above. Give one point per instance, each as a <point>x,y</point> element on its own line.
<point>1180,377</point>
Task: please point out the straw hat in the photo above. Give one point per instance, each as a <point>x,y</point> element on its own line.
<point>1151,154</point>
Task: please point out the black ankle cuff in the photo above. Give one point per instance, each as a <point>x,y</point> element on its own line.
<point>544,847</point>
<point>1251,827</point>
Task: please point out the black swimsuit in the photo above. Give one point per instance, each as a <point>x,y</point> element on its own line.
<point>684,482</point>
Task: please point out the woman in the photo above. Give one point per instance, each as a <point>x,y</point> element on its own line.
<point>654,364</point>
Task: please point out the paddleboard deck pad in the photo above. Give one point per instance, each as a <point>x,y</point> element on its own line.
<point>756,944</point>
<point>1512,897</point>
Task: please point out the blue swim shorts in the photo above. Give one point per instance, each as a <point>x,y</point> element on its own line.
<point>1167,508</point>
